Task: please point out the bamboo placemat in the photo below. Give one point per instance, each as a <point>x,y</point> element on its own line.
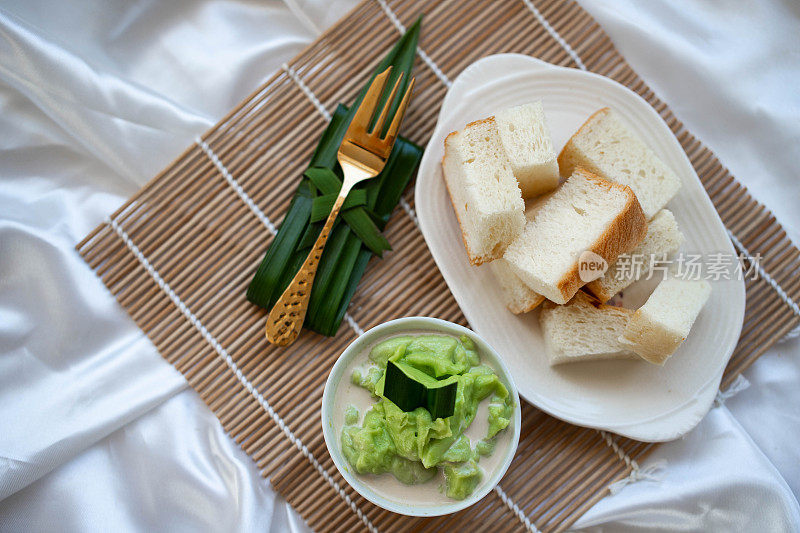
<point>179,254</point>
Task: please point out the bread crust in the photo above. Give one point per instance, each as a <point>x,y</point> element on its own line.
<point>564,155</point>
<point>623,235</point>
<point>606,287</point>
<point>523,310</point>
<point>595,288</point>
<point>481,121</point>
<point>585,297</point>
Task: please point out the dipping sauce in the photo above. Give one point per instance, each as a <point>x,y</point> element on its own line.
<point>412,445</point>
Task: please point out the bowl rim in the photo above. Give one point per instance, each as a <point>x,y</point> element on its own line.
<point>375,333</point>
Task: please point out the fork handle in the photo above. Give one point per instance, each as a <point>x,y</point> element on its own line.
<point>287,315</point>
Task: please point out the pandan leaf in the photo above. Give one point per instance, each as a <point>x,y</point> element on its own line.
<point>358,220</point>
<point>410,388</point>
<point>266,280</point>
<point>322,205</point>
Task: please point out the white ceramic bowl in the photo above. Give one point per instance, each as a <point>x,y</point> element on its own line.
<point>385,490</point>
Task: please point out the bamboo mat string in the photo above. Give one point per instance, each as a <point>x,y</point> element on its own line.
<point>765,275</point>
<point>516,510</point>
<point>608,439</point>
<point>636,472</point>
<point>409,210</point>
<point>554,34</point>
<point>307,91</point>
<point>740,383</point>
<point>420,52</point>
<point>791,334</point>
<point>237,187</point>
<point>353,324</point>
<point>511,504</point>
<point>650,473</point>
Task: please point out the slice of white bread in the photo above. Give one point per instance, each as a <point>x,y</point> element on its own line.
<point>518,297</point>
<point>526,140</point>
<point>605,146</point>
<point>584,330</point>
<point>662,324</point>
<point>484,191</point>
<point>586,213</point>
<point>663,238</point>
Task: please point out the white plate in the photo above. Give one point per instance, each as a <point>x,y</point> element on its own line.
<point>631,398</point>
<point>385,490</point>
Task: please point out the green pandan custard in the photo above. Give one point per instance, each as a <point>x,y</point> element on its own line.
<point>412,445</point>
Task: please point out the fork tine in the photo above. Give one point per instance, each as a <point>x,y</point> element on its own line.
<point>385,111</point>
<point>391,133</point>
<point>366,109</point>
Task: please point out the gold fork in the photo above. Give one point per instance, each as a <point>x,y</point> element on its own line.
<point>362,155</point>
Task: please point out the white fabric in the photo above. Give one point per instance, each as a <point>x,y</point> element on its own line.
<point>97,432</point>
